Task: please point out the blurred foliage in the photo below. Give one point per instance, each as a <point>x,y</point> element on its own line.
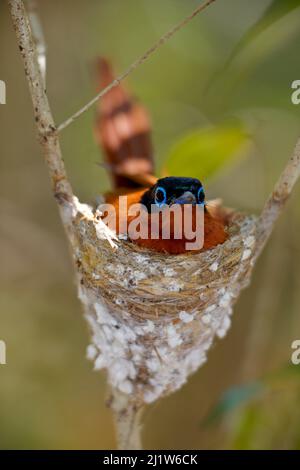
<point>203,112</point>
<point>248,407</point>
<point>258,43</point>
<point>274,12</point>
<point>232,399</point>
<point>203,153</point>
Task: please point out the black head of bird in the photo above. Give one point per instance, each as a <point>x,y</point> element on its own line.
<point>174,190</point>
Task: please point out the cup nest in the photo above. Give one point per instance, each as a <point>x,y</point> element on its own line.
<point>153,316</point>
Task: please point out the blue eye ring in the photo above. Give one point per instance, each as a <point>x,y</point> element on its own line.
<point>161,200</point>
<point>201,196</point>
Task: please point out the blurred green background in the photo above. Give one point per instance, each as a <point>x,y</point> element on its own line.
<point>213,87</point>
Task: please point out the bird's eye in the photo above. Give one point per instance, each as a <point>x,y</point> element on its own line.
<point>201,196</point>
<point>160,196</point>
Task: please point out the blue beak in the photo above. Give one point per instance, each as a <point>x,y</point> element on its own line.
<point>186,198</point>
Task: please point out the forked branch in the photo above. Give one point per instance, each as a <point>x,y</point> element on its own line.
<point>126,411</point>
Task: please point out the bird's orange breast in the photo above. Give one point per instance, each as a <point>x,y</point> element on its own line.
<point>214,230</point>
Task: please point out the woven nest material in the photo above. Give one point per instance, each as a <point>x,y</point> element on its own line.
<point>154,316</point>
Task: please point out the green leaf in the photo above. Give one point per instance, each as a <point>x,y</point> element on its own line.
<point>274,12</point>
<point>203,153</point>
<point>233,398</point>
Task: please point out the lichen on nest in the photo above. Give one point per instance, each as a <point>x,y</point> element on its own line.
<point>153,316</point>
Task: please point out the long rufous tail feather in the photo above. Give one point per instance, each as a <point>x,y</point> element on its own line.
<point>123,131</point>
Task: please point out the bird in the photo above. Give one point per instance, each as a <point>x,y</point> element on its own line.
<point>123,131</point>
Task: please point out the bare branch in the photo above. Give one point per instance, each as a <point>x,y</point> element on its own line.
<point>46,129</point>
<point>136,64</point>
<point>38,35</point>
<point>277,199</point>
<point>127,417</point>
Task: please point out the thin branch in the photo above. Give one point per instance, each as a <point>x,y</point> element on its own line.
<point>135,64</point>
<point>277,199</point>
<point>127,417</point>
<point>38,35</point>
<point>43,117</point>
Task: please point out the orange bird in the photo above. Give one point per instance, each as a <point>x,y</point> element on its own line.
<point>123,131</point>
